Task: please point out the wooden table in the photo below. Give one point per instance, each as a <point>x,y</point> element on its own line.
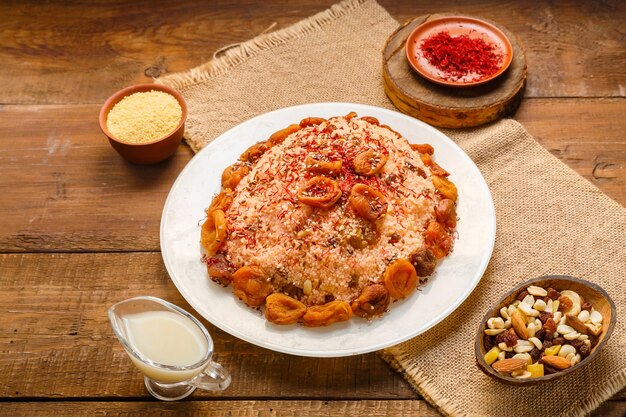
<point>80,227</point>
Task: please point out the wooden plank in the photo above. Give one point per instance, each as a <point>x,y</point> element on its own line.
<point>84,51</point>
<point>370,408</point>
<point>415,408</point>
<point>55,339</point>
<point>70,191</point>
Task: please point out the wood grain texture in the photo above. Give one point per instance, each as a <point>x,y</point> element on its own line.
<point>70,191</point>
<point>84,51</point>
<point>308,408</point>
<point>445,106</point>
<point>56,341</point>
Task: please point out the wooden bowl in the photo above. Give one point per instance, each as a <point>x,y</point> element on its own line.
<point>592,293</point>
<point>149,152</point>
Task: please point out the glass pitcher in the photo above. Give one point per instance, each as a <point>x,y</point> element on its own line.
<point>137,319</point>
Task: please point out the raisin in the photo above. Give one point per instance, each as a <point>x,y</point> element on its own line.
<point>553,294</point>
<point>558,341</point>
<point>576,343</point>
<point>547,344</point>
<point>550,325</point>
<point>489,342</point>
<point>587,306</point>
<point>510,338</point>
<point>544,316</point>
<point>549,370</point>
<point>500,337</point>
<point>394,238</point>
<point>535,354</point>
<point>594,340</point>
<point>509,355</point>
<point>522,295</point>
<point>584,351</point>
<point>565,303</point>
<point>548,337</point>
<point>540,334</point>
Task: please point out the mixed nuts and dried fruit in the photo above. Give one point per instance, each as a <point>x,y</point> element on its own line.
<point>543,332</point>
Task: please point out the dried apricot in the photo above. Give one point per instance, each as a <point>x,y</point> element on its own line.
<point>373,301</point>
<point>438,239</point>
<point>282,309</point>
<point>233,175</point>
<point>251,285</point>
<point>371,120</point>
<point>423,148</point>
<point>369,162</point>
<point>221,201</point>
<point>435,169</point>
<point>254,152</point>
<point>213,232</point>
<point>327,314</point>
<point>446,212</point>
<point>400,278</point>
<point>281,135</point>
<point>319,192</point>
<point>367,202</point>
<point>445,187</point>
<point>311,121</point>
<point>318,165</point>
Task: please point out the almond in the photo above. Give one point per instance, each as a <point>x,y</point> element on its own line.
<point>573,321</point>
<point>557,362</point>
<point>519,324</point>
<point>509,365</point>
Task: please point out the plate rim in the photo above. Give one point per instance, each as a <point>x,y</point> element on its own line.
<point>336,352</point>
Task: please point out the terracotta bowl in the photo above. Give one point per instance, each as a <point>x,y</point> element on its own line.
<point>592,293</point>
<point>150,152</point>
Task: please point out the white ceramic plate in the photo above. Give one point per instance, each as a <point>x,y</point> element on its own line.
<point>453,281</point>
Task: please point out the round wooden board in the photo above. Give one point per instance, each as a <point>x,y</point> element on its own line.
<point>448,106</point>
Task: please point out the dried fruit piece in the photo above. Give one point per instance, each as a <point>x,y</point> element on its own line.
<point>509,365</point>
<point>327,314</point>
<point>553,294</point>
<point>400,278</point>
<point>553,350</point>
<point>556,362</point>
<point>438,239</point>
<point>369,162</point>
<point>318,165</point>
<point>282,309</point>
<point>509,338</point>
<point>435,169</point>
<point>536,370</point>
<point>311,121</point>
<point>373,301</point>
<point>319,192</point>
<point>423,148</point>
<point>446,212</point>
<point>550,326</point>
<point>221,201</point>
<point>445,187</point>
<point>251,285</point>
<point>367,202</point>
<point>233,175</point>
<point>281,135</point>
<point>576,302</point>
<point>213,232</point>
<point>254,152</point>
<point>492,355</point>
<point>371,120</point>
<point>424,261</point>
<point>219,269</point>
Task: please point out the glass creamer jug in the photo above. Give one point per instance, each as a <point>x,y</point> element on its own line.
<point>169,346</point>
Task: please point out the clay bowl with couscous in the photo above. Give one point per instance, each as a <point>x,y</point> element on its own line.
<point>144,122</point>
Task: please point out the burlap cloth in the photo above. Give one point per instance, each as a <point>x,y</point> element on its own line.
<point>549,219</point>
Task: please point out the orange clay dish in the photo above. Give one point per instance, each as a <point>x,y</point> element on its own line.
<point>329,219</point>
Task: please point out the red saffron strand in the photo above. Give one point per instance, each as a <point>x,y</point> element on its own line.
<point>461,56</point>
